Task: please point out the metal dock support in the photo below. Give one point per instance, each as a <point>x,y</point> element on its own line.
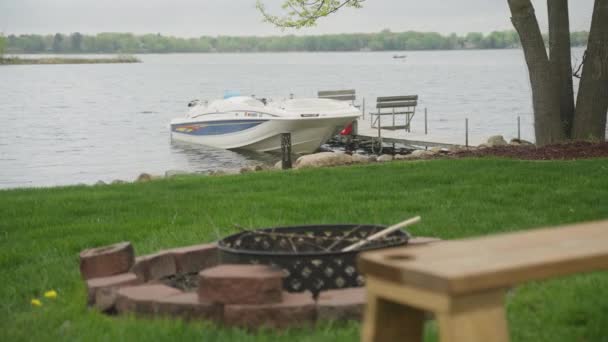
<point>286,151</point>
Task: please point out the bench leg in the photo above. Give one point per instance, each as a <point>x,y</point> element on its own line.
<point>475,318</point>
<point>387,321</point>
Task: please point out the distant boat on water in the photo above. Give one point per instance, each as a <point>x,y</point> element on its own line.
<point>399,56</point>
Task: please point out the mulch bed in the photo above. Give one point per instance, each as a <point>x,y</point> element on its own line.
<point>566,151</point>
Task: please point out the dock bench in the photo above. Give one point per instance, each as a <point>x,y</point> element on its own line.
<point>340,95</point>
<point>348,95</point>
<point>398,110</point>
<point>463,282</point>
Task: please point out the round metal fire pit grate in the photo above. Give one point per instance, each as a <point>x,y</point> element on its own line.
<point>311,256</point>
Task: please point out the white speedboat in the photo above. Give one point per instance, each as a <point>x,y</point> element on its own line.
<point>248,123</point>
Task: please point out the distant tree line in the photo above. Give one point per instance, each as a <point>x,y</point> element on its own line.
<point>2,44</point>
<point>157,43</point>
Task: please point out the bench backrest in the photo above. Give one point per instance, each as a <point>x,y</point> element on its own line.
<point>397,101</point>
<point>340,95</point>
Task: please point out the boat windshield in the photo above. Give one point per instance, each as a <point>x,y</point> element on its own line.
<point>237,102</point>
<point>245,100</point>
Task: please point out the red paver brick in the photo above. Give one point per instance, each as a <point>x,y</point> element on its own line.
<point>241,284</point>
<point>194,258</point>
<point>140,268</point>
<point>154,266</point>
<point>109,286</point>
<point>341,305</point>
<point>188,306</point>
<point>106,261</point>
<point>296,310</point>
<point>142,299</point>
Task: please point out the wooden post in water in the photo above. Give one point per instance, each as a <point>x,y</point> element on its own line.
<point>426,130</point>
<point>286,151</point>
<point>518,128</point>
<point>466,132</point>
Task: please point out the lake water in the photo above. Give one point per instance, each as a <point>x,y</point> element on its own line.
<point>69,124</point>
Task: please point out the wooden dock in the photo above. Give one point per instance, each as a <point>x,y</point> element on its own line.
<point>416,138</point>
<point>390,122</point>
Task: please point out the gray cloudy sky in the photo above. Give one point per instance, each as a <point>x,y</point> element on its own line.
<point>239,17</point>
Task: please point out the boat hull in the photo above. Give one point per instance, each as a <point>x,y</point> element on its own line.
<point>262,135</point>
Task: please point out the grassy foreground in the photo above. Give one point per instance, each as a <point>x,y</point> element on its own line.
<point>71,60</point>
<point>42,231</point>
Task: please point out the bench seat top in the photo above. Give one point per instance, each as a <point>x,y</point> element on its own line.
<point>492,262</point>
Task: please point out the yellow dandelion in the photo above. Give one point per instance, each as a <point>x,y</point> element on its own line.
<point>36,302</point>
<point>52,294</point>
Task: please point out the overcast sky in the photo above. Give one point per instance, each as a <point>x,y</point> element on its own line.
<point>239,17</point>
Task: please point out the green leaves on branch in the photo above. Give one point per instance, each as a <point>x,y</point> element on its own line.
<point>304,13</point>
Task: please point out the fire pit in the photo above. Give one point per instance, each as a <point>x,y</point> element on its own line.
<point>311,256</point>
<point>188,282</point>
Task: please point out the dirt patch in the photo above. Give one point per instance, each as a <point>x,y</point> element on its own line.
<point>566,151</point>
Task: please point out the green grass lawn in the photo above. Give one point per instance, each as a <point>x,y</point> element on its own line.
<point>42,231</point>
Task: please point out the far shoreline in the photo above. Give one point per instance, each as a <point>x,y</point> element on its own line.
<point>48,53</point>
<point>14,60</point>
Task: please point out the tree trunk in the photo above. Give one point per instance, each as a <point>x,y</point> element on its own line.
<point>592,101</point>
<point>545,94</point>
<point>560,60</point>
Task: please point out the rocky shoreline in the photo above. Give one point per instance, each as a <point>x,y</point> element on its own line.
<point>496,146</point>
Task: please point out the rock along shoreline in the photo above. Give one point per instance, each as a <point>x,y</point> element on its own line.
<point>495,147</point>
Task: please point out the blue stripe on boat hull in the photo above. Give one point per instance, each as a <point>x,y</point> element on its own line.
<point>215,127</point>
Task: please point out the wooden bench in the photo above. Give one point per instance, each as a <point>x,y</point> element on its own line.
<point>340,95</point>
<point>463,282</point>
<point>401,110</point>
<point>344,95</point>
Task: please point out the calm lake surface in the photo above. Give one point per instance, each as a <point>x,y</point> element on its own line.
<point>69,124</point>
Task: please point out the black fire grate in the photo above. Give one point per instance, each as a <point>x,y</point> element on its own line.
<point>311,256</point>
